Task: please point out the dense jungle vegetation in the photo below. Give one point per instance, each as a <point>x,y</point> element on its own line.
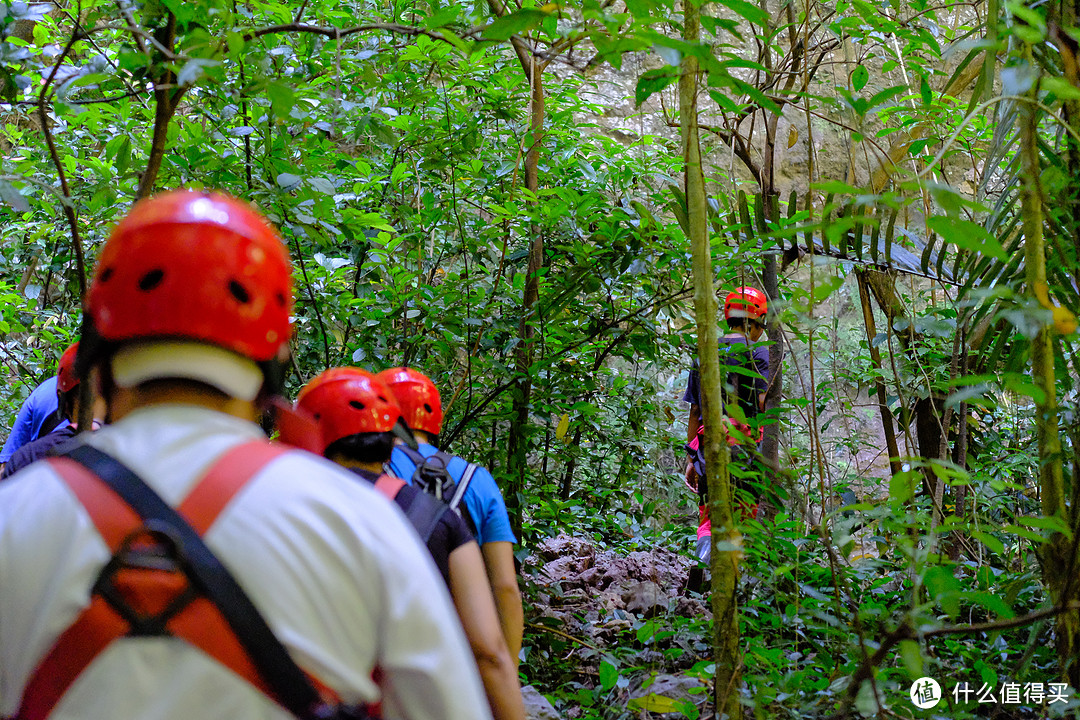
<point>537,205</point>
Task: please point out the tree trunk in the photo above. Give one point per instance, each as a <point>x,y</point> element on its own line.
<point>517,447</point>
<point>725,536</point>
<point>1058,553</point>
<point>875,357</point>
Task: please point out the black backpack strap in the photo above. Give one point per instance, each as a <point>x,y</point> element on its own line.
<point>290,685</point>
<point>49,423</point>
<point>424,514</point>
<point>414,455</point>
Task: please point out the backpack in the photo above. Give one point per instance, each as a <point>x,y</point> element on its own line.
<point>433,477</point>
<point>423,516</point>
<point>162,581</point>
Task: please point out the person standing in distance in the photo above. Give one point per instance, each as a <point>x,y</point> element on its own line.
<point>187,321</point>
<point>745,367</point>
<point>421,408</point>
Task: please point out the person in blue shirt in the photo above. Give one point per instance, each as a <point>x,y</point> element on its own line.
<point>67,395</point>
<point>40,407</point>
<point>421,409</point>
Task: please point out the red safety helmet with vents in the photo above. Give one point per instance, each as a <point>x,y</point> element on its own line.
<point>346,401</point>
<point>746,302</point>
<point>418,397</point>
<point>194,265</point>
<point>66,377</point>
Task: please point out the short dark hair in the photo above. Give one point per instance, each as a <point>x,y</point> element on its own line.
<point>367,447</point>
<point>738,323</point>
<point>66,403</point>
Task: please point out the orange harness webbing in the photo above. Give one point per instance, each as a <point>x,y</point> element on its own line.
<point>199,623</point>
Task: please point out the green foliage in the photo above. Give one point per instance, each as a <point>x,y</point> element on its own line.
<point>387,141</point>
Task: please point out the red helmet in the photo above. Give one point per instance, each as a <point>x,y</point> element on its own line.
<point>66,378</point>
<point>418,397</point>
<point>346,401</point>
<point>746,302</point>
<point>196,266</point>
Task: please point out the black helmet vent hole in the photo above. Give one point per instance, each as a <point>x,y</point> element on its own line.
<point>357,404</point>
<point>239,292</point>
<point>151,280</point>
<point>382,399</point>
<point>106,274</point>
<point>318,416</point>
<point>428,408</point>
<point>281,299</point>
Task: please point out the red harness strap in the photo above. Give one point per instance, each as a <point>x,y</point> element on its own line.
<point>389,486</point>
<point>199,623</point>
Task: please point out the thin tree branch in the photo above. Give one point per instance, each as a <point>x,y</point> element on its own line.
<point>67,202</point>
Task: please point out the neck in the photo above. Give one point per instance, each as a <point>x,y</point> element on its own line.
<point>422,437</point>
<point>126,400</point>
<point>343,461</point>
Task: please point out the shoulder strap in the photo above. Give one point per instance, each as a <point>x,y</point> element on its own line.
<point>423,513</point>
<point>414,455</point>
<point>49,423</point>
<point>463,485</point>
<point>389,485</point>
<point>226,625</point>
<point>275,665</point>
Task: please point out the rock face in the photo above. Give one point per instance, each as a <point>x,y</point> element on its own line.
<point>594,593</point>
<point>537,706</point>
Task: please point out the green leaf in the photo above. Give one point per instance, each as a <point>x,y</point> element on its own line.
<point>911,655</point>
<point>902,486</point>
<point>1024,533</point>
<point>859,76</point>
<point>751,11</point>
<point>514,24</point>
<point>989,541</point>
<point>1053,524</point>
<point>653,81</point>
<point>646,631</point>
<point>866,702</point>
<point>944,588</point>
<point>609,675</point>
<point>991,602</point>
<point>281,97</point>
<point>967,235</point>
<point>1028,16</point>
<point>654,703</point>
<point>12,197</point>
<point>1061,87</point>
<point>193,70</point>
<point>925,92</point>
<point>288,181</point>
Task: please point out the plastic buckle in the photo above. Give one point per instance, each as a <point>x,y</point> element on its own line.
<point>151,569</point>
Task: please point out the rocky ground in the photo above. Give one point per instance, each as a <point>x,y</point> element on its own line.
<point>594,597</point>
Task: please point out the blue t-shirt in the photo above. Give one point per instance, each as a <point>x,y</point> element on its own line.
<point>483,498</point>
<point>41,404</point>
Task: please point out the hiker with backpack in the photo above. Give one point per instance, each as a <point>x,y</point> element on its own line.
<point>358,417</point>
<point>176,564</point>
<point>67,392</point>
<point>38,415</point>
<point>745,366</point>
<point>464,486</point>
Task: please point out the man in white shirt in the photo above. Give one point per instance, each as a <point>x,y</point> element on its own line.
<point>187,318</point>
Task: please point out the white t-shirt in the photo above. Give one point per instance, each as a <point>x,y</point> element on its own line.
<point>331,564</point>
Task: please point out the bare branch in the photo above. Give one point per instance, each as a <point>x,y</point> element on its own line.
<point>68,205</point>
